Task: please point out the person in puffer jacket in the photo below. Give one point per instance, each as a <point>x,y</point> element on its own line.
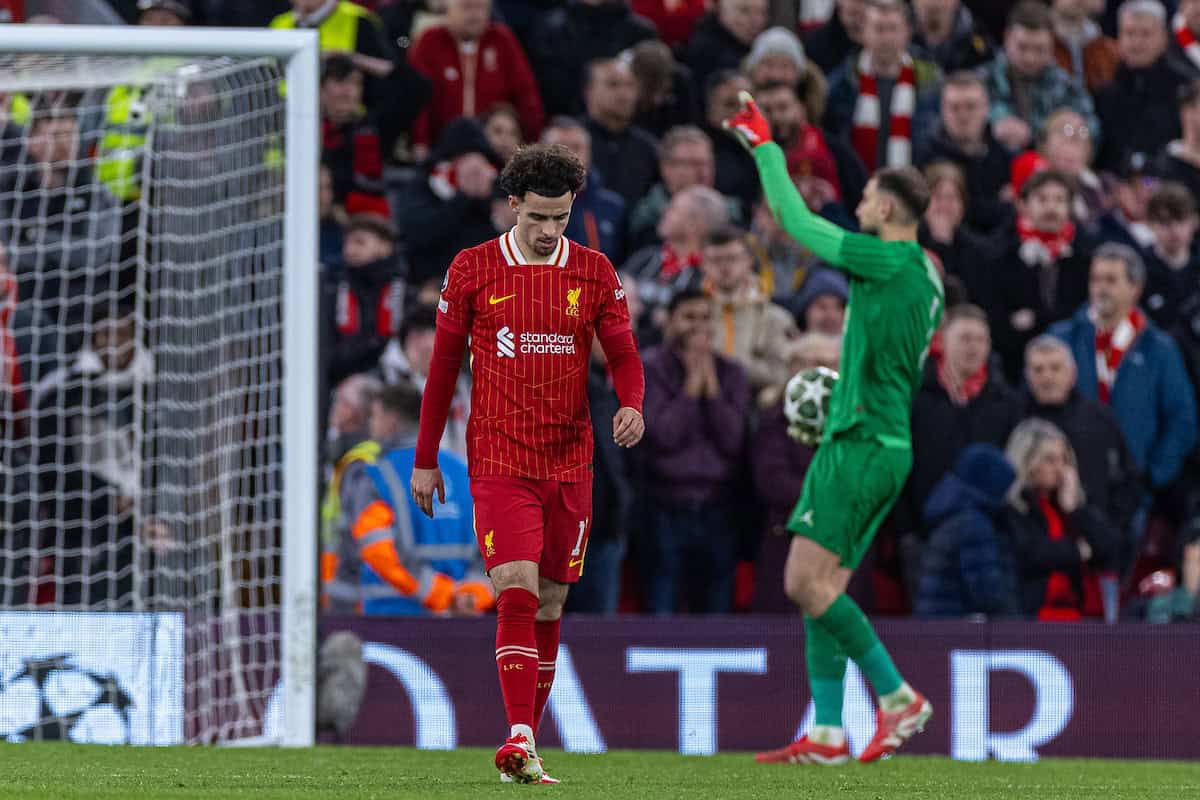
<point>967,566</point>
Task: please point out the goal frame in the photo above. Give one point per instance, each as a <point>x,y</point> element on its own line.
<point>299,54</point>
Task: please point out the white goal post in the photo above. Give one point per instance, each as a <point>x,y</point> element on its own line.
<point>293,643</point>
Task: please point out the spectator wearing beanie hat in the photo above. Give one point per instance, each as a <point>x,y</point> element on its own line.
<point>821,303</point>
<point>775,56</point>
<point>967,566</point>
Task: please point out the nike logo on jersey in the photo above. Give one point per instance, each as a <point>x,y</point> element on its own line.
<point>573,564</point>
<point>807,518</point>
<point>493,300</point>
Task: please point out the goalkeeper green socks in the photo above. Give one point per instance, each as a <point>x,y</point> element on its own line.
<point>845,623</point>
<point>826,673</point>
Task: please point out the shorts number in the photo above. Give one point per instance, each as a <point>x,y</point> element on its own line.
<point>579,542</point>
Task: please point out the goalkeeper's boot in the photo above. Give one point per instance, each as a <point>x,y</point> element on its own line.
<point>806,751</point>
<point>517,759</point>
<point>893,729</point>
<point>545,778</point>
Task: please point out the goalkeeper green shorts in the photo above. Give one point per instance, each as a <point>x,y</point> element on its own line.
<point>851,485</point>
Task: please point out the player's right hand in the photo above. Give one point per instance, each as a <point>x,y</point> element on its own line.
<point>424,483</point>
<point>749,124</point>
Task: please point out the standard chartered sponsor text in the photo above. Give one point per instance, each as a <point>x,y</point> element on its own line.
<point>548,343</point>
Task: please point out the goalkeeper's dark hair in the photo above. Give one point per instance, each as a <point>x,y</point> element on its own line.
<point>686,296</point>
<point>549,170</point>
<point>403,399</point>
<point>907,185</point>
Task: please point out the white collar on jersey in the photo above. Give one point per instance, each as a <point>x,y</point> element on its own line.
<point>514,257</point>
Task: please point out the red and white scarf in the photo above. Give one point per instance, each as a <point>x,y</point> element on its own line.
<point>673,263</point>
<point>960,390</point>
<point>443,179</point>
<point>1039,248</point>
<point>1041,251</point>
<point>388,310</point>
<point>1061,602</point>
<point>868,116</point>
<point>1187,40</point>
<point>1111,347</point>
<point>10,366</point>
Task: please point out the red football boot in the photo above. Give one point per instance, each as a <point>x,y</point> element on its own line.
<point>895,728</point>
<point>806,751</point>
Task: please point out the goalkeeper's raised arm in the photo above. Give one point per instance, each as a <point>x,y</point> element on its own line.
<point>890,211</point>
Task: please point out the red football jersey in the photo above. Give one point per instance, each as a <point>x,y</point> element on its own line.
<point>531,329</point>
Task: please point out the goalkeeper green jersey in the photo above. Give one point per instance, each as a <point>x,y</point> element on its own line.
<point>895,305</point>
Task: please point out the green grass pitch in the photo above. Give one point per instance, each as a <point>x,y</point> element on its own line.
<point>56,771</point>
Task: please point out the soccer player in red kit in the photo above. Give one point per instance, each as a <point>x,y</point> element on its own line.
<point>530,303</point>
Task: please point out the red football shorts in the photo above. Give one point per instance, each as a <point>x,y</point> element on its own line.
<point>546,522</point>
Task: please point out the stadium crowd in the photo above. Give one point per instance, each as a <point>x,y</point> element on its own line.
<point>1056,472</point>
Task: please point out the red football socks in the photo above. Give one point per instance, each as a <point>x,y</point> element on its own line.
<point>547,645</point>
<point>517,654</point>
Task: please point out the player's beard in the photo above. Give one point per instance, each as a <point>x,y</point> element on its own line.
<point>543,248</point>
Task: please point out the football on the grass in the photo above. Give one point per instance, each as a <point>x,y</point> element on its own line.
<point>806,403</point>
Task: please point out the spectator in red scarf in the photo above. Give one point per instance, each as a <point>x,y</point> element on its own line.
<point>1065,144</point>
<point>1040,269</point>
<point>662,270</point>
<point>882,99</point>
<point>685,159</point>
<point>963,400</point>
<point>351,144</point>
<point>808,155</point>
<point>13,390</point>
<point>1061,541</point>
<point>452,208</point>
<point>24,354</point>
<point>1185,35</point>
<point>363,301</point>
<point>1128,363</point>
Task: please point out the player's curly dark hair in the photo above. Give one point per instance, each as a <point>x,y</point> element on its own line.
<point>549,170</point>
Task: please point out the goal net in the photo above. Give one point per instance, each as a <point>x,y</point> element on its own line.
<point>143,222</point>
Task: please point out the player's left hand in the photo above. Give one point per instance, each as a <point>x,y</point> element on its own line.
<point>424,483</point>
<point>628,427</point>
<point>749,124</point>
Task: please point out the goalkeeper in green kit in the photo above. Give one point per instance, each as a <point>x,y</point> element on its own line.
<point>865,455</point>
